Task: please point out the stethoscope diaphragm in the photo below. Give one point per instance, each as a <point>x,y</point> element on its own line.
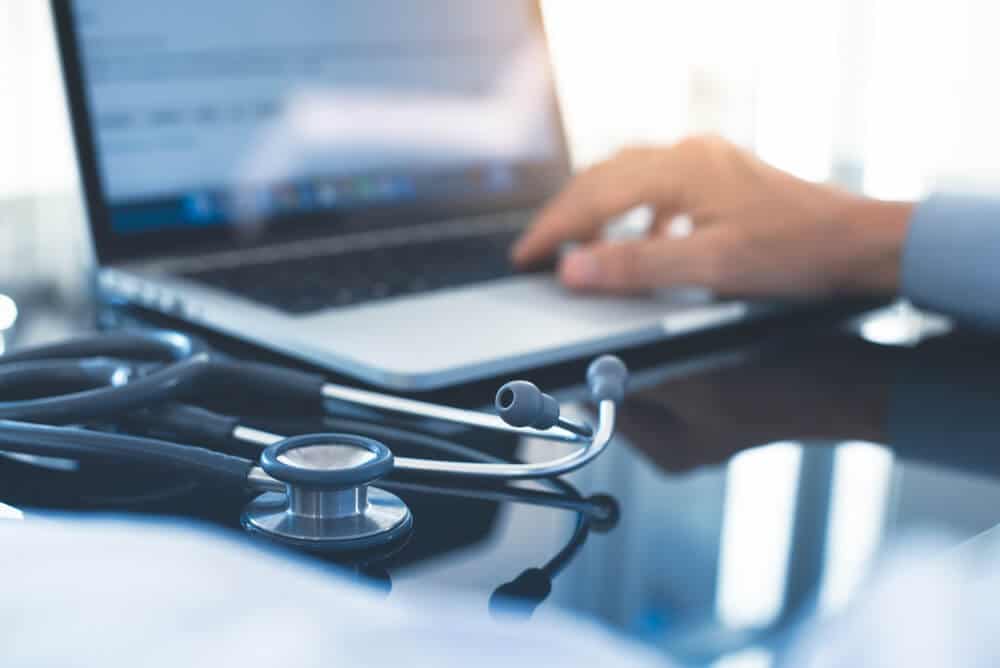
<point>329,503</point>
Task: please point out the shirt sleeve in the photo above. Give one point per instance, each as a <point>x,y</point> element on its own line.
<point>951,258</point>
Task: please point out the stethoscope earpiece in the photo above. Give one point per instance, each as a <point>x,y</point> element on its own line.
<point>607,377</point>
<point>521,404</point>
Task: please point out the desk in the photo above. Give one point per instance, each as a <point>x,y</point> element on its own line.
<point>752,469</point>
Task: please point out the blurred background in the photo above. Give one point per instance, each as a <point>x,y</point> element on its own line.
<point>894,98</point>
<point>886,96</point>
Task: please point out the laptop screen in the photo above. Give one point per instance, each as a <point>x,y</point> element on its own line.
<point>214,120</point>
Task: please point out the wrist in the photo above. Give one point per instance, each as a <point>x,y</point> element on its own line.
<point>877,232</point>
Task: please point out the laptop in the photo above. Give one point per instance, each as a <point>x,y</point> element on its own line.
<point>339,181</point>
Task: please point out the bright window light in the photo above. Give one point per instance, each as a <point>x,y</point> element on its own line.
<point>797,87</point>
<point>761,486</point>
<point>13,71</point>
<point>862,478</point>
<point>913,106</point>
<point>621,71</point>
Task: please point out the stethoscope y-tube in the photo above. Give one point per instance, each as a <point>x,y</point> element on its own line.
<point>325,479</point>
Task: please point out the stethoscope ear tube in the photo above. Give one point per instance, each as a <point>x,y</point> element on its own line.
<point>183,422</point>
<point>25,380</point>
<point>70,442</point>
<point>194,377</point>
<point>163,346</point>
<point>88,405</point>
<point>265,382</point>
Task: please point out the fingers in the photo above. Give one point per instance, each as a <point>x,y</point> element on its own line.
<point>671,225</point>
<point>655,262</point>
<point>635,176</point>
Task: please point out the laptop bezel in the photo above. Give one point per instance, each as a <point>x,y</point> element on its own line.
<point>111,248</point>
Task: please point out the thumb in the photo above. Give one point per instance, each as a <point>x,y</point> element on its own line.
<point>644,264</point>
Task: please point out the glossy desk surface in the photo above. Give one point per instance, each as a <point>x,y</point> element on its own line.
<point>758,472</point>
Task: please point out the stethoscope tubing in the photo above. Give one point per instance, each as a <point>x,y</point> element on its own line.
<point>74,443</point>
<point>425,410</point>
<point>133,392</point>
<point>51,369</point>
<point>201,425</point>
<point>188,378</point>
<point>107,377</point>
<point>214,467</point>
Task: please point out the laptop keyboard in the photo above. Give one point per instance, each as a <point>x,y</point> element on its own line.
<point>304,285</point>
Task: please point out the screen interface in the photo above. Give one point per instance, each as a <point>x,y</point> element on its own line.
<point>205,113</point>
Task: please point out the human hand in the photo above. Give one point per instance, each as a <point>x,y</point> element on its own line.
<point>757,231</point>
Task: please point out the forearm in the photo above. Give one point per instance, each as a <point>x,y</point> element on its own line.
<point>951,258</point>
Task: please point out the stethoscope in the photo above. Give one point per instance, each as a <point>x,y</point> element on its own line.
<point>518,597</point>
<point>317,490</point>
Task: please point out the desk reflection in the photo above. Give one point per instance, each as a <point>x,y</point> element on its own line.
<point>835,389</point>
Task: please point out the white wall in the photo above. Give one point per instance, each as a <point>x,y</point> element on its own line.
<point>41,224</point>
<point>34,133</point>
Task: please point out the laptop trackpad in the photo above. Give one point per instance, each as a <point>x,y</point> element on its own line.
<point>522,318</point>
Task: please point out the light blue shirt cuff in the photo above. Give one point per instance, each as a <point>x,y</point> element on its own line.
<point>951,259</point>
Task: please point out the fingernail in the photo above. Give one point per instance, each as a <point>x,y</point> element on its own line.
<point>579,268</point>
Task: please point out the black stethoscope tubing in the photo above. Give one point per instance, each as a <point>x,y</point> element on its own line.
<point>140,382</point>
<point>76,443</point>
<point>177,381</point>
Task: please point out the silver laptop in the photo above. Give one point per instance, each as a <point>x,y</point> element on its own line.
<point>338,180</point>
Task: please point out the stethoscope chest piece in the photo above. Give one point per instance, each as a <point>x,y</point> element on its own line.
<point>328,502</point>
